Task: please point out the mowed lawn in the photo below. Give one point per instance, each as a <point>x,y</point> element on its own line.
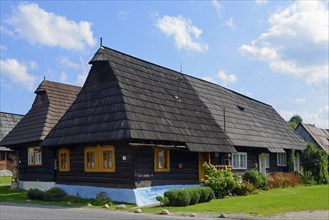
<point>274,201</point>
<point>266,203</point>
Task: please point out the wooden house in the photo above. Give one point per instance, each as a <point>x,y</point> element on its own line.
<point>137,129</point>
<point>36,163</point>
<point>318,136</point>
<point>7,123</point>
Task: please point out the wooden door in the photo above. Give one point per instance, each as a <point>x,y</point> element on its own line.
<point>203,157</point>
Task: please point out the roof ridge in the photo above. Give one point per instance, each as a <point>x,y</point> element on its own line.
<point>11,113</point>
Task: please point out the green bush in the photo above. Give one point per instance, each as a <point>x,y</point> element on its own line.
<point>163,200</point>
<point>255,177</point>
<point>183,198</point>
<point>204,194</point>
<point>172,196</point>
<point>194,195</point>
<point>221,182</point>
<point>315,161</point>
<point>55,194</point>
<point>211,194</point>
<point>101,199</point>
<point>308,177</point>
<point>35,194</point>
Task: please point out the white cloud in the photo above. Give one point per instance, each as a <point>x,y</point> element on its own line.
<point>83,72</point>
<point>186,35</point>
<point>38,26</point>
<point>122,15</point>
<point>319,118</point>
<point>300,100</point>
<point>217,6</point>
<point>296,43</point>
<point>230,24</point>
<point>63,77</point>
<point>18,73</point>
<point>67,62</point>
<point>221,76</point>
<point>261,2</point>
<point>226,78</point>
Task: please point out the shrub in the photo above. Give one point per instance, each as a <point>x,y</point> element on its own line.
<point>255,177</point>
<point>308,177</point>
<point>183,198</point>
<point>163,200</point>
<point>221,182</point>
<point>283,180</point>
<point>101,199</point>
<point>194,195</point>
<point>315,161</point>
<point>204,194</point>
<point>55,194</point>
<point>243,189</point>
<point>211,194</point>
<point>172,196</point>
<point>35,194</point>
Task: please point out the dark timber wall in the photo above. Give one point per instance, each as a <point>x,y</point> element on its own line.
<point>144,168</point>
<point>45,172</point>
<point>123,177</point>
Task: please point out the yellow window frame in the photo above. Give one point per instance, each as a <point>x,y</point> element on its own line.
<point>34,156</point>
<point>166,158</point>
<point>99,156</point>
<point>63,154</point>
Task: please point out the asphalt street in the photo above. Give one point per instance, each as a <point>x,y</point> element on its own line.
<point>36,212</point>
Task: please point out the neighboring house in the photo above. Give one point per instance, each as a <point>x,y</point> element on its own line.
<point>7,123</point>
<point>35,162</point>
<point>317,136</point>
<point>137,129</point>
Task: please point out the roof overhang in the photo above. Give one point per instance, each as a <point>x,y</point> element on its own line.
<point>275,150</point>
<point>210,148</point>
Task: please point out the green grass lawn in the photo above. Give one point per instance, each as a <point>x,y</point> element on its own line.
<point>266,203</point>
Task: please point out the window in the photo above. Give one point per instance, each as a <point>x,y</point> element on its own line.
<point>267,161</point>
<point>100,159</point>
<point>161,159</point>
<point>282,159</point>
<point>64,160</point>
<point>34,156</point>
<point>239,160</point>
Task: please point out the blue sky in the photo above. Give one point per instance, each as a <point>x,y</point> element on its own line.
<point>272,51</point>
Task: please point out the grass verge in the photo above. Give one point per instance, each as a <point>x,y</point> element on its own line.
<point>266,203</point>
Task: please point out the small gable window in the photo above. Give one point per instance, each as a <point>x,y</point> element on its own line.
<point>161,159</point>
<point>64,160</point>
<point>282,159</point>
<point>239,160</point>
<point>99,159</point>
<point>34,156</point>
<point>240,108</point>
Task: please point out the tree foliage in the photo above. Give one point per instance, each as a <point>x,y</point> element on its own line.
<point>315,161</point>
<point>296,119</point>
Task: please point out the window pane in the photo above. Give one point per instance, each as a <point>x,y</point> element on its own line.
<point>107,159</point>
<point>38,158</point>
<point>161,159</point>
<point>90,159</point>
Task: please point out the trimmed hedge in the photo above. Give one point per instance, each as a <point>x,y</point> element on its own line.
<point>189,196</point>
<point>53,194</point>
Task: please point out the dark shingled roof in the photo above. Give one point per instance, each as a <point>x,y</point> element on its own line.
<point>321,136</point>
<point>51,102</point>
<point>7,123</point>
<point>248,122</point>
<point>125,98</point>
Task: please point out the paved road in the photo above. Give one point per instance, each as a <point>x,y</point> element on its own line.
<point>38,212</point>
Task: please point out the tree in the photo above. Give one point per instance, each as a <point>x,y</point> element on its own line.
<point>315,161</point>
<point>296,119</point>
<point>292,124</point>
